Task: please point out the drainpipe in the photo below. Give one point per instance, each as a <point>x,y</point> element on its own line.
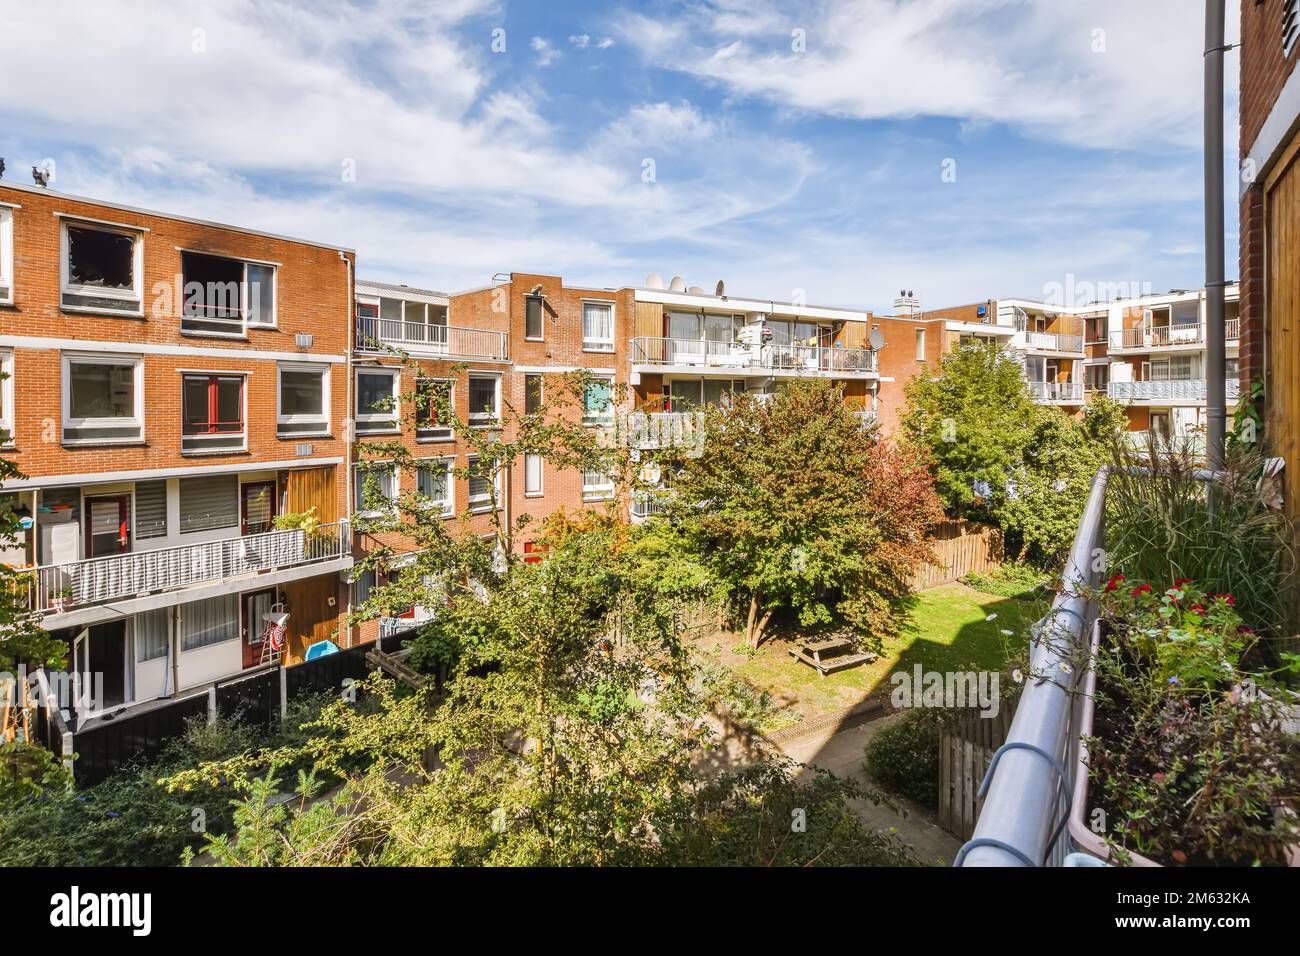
<point>350,310</point>
<point>1215,332</point>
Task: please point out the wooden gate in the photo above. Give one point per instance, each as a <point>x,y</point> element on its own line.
<point>959,547</point>
<point>965,750</point>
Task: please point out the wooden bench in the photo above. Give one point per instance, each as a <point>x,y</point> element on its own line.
<point>828,656</point>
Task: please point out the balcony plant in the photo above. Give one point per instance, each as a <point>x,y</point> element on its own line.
<point>60,597</point>
<point>1187,757</point>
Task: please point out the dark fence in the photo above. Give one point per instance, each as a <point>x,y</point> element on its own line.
<point>255,700</point>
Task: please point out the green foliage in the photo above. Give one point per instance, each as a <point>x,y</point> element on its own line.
<point>1012,579</point>
<point>904,756</point>
<point>27,770</point>
<point>794,509</point>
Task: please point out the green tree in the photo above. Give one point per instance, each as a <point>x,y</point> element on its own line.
<point>793,507</point>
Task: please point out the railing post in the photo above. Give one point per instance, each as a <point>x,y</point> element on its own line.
<point>212,705</point>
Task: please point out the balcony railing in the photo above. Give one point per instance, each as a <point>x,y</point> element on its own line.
<point>1047,341</point>
<point>728,356</point>
<point>648,430</point>
<point>1168,336</point>
<point>1057,391</point>
<point>77,584</point>
<point>1174,390</point>
<point>646,504</point>
<point>1193,445</point>
<point>373,334</point>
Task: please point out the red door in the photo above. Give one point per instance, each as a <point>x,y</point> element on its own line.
<point>107,525</point>
<point>256,506</point>
<point>251,608</point>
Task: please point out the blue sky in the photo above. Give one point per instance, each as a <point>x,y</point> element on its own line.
<point>795,148</point>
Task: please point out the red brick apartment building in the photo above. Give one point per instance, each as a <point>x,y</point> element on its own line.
<point>1147,352</point>
<point>172,386</point>
<point>1270,223</point>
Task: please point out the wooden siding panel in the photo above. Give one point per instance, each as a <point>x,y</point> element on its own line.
<point>1283,296</point>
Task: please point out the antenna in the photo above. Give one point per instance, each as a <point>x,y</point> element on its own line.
<point>654,281</point>
<point>877,339</point>
<point>40,176</point>
<point>678,284</point>
<point>720,291</point>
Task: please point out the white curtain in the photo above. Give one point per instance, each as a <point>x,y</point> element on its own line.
<point>204,623</point>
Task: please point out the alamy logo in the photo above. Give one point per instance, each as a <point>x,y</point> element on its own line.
<point>74,909</point>
<point>951,689</point>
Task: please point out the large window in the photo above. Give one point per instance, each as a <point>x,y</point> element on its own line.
<point>302,405</point>
<point>920,345</point>
<point>152,634</point>
<point>598,326</point>
<point>484,399</point>
<point>597,402</point>
<point>533,475</point>
<point>435,482</point>
<point>220,294</point>
<point>101,268</point>
<point>533,309</point>
<point>6,255</point>
<point>150,509</point>
<point>214,621</point>
<point>102,399</point>
<point>596,485</point>
<point>209,503</point>
<point>6,397</point>
<point>429,424</point>
<point>376,488</point>
<point>377,400</point>
<point>532,394</point>
<point>212,413</point>
<point>483,476</point>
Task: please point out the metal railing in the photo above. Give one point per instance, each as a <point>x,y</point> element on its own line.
<point>794,359</point>
<point>1166,336</point>
<point>1027,789</point>
<point>391,626</point>
<point>1167,444</point>
<point>75,584</point>
<point>1057,391</point>
<point>1190,389</point>
<point>1047,341</point>
<point>648,430</point>
<point>646,504</point>
<point>373,334</point>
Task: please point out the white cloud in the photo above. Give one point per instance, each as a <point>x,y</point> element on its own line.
<point>581,41</point>
<point>546,54</point>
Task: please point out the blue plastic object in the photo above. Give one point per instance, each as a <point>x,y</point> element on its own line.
<point>321,649</point>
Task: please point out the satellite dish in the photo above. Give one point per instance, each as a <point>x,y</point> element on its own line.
<point>696,290</point>
<point>654,281</point>
<point>877,339</point>
<point>678,284</point>
<point>721,290</point>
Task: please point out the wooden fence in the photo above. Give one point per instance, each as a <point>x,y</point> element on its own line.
<point>960,547</point>
<point>964,754</point>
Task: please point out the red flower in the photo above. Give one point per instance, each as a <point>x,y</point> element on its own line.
<point>1142,589</point>
<point>1228,599</point>
<point>1197,609</point>
<point>1181,581</point>
<point>1114,582</point>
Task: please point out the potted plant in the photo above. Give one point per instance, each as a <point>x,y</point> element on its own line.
<point>1184,756</point>
<point>60,597</point>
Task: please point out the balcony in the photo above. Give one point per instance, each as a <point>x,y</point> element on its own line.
<point>653,430</point>
<point>647,504</point>
<point>442,341</point>
<point>1049,392</point>
<point>1047,342</point>
<point>1172,391</point>
<point>1168,337</point>
<point>658,354</point>
<point>61,588</point>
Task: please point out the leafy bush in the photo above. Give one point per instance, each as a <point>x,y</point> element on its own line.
<point>904,756</point>
<point>1013,579</point>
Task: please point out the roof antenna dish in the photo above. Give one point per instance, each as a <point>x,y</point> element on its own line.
<point>696,290</point>
<point>677,285</point>
<point>654,281</point>
<point>721,290</point>
<point>877,339</point>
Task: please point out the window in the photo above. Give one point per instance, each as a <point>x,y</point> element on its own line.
<point>363,584</point>
<point>102,399</point>
<point>208,503</point>
<point>377,400</point>
<point>532,474</point>
<point>221,294</point>
<point>205,623</point>
<point>597,402</point>
<point>434,480</point>
<point>427,415</point>
<point>6,398</point>
<point>375,488</point>
<point>6,255</point>
<point>481,479</point>
<point>598,326</point>
<point>1290,26</point>
<point>920,345</point>
<point>484,399</point>
<point>596,485</point>
<point>413,323</point>
<point>212,413</point>
<point>532,394</point>
<point>301,407</point>
<point>150,509</point>
<point>533,317</point>
<point>152,629</point>
<point>101,269</point>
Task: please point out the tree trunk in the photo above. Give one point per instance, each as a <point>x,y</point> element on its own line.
<point>761,628</point>
<point>749,622</point>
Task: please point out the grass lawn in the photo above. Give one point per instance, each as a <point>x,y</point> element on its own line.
<point>947,630</point>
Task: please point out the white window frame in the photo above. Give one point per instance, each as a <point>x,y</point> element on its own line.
<point>7,253</point>
<point>386,422</point>
<point>920,345</point>
<point>608,420</point>
<point>447,506</point>
<point>483,504</point>
<point>245,303</point>
<point>1290,26</point>
<point>600,345</point>
<point>67,287</point>
<point>541,314</point>
<point>198,441</point>
<point>6,397</point>
<point>275,295</point>
<point>531,490</point>
<point>495,421</point>
<point>282,419</point>
<point>424,434</point>
<point>70,359</point>
<point>358,486</point>
<point>598,492</point>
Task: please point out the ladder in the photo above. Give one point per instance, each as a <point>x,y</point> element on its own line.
<point>274,633</point>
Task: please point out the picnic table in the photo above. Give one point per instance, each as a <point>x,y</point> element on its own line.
<point>830,654</point>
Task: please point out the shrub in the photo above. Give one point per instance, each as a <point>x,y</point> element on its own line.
<point>904,756</point>
<point>1013,579</point>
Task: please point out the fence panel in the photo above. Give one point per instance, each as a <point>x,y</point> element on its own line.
<point>965,751</point>
<point>960,547</point>
<point>326,674</point>
<point>108,746</point>
<point>254,700</point>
